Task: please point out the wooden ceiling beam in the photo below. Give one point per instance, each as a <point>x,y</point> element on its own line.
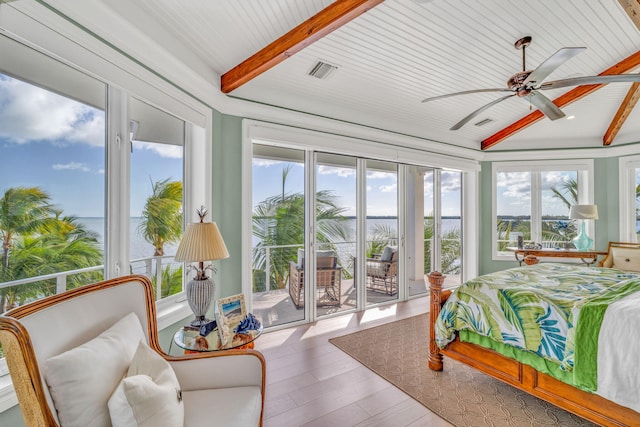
<point>313,29</point>
<point>632,7</point>
<point>626,65</point>
<point>622,114</point>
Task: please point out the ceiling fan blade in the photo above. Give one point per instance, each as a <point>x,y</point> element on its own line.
<point>478,111</point>
<point>467,92</point>
<point>545,105</point>
<point>591,80</point>
<point>551,63</point>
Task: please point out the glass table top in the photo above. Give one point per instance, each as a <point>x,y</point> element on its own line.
<point>189,338</point>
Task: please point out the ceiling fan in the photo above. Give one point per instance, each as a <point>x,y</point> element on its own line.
<point>526,84</point>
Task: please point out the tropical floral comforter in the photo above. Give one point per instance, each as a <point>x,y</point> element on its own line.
<point>539,309</point>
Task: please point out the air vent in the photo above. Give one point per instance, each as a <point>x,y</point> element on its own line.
<point>322,70</point>
<point>484,122</point>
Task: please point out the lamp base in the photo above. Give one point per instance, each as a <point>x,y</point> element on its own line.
<point>199,296</point>
<point>582,242</point>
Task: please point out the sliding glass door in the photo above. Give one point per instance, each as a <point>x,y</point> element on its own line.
<point>278,235</point>
<point>382,264</point>
<point>368,234</point>
<point>335,225</point>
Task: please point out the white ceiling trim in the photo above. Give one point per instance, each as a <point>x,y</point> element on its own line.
<point>312,139</point>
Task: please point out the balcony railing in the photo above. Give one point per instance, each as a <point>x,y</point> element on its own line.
<point>262,278</point>
<point>145,266</point>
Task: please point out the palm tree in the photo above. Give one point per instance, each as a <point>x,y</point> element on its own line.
<point>22,211</point>
<point>162,215</point>
<point>278,221</point>
<point>60,244</point>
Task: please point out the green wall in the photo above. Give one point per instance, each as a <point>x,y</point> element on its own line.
<point>606,197</point>
<point>227,199</point>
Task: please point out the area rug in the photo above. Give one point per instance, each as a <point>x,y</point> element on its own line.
<point>398,352</point>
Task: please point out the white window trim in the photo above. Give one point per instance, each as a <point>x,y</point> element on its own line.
<point>140,83</point>
<point>627,184</point>
<point>585,170</point>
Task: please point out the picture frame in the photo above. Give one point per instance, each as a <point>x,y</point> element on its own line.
<point>230,310</point>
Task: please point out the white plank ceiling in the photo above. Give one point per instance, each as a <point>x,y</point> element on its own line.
<point>401,52</point>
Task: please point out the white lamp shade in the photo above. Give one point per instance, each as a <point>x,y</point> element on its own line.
<point>201,241</point>
<point>583,212</point>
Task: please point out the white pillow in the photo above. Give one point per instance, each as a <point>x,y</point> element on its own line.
<point>626,258</point>
<point>149,395</point>
<point>82,379</point>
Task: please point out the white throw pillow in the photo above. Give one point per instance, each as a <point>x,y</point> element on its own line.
<point>150,395</point>
<point>626,258</point>
<point>82,379</point>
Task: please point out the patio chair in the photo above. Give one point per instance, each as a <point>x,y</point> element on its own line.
<point>90,356</point>
<point>328,280</point>
<point>382,271</point>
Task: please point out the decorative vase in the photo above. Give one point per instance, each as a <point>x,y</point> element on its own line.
<point>199,296</point>
<point>582,242</point>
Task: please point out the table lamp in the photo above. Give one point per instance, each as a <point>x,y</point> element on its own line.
<point>582,242</point>
<point>201,242</point>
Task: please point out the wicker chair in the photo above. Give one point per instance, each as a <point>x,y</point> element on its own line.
<point>382,272</point>
<point>224,386</point>
<point>328,282</point>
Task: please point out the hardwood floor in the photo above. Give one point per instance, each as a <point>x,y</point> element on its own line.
<point>312,383</point>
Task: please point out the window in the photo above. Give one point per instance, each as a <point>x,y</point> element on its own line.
<point>82,174</point>
<point>156,193</point>
<point>629,169</point>
<point>532,200</point>
<point>52,169</point>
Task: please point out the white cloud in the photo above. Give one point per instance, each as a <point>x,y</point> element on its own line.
<point>29,114</point>
<point>380,175</point>
<point>450,181</point>
<point>388,188</point>
<point>341,172</point>
<point>163,150</point>
<point>265,162</point>
<point>71,166</point>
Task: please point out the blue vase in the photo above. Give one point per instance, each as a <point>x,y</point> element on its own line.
<point>582,242</point>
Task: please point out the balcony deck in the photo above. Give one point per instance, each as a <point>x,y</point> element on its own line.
<point>276,308</point>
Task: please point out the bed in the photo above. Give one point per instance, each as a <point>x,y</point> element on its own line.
<point>550,330</point>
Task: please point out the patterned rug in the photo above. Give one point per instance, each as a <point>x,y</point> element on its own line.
<point>461,395</point>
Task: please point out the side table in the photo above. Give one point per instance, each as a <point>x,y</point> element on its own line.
<point>189,339</point>
<point>530,256</point>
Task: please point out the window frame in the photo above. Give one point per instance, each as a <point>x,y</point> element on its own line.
<point>627,198</point>
<point>585,179</point>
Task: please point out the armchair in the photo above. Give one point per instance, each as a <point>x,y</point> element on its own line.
<point>622,255</point>
<point>222,388</point>
<point>382,271</point>
<point>328,280</point>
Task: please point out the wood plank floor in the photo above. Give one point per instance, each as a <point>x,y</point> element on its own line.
<point>312,383</point>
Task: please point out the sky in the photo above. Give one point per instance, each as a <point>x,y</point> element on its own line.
<point>58,144</point>
<point>514,193</point>
<point>382,187</point>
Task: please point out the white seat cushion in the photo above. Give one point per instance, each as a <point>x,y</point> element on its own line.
<point>229,407</point>
<point>82,379</point>
<point>149,396</point>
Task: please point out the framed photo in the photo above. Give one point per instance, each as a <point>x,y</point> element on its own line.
<point>231,310</point>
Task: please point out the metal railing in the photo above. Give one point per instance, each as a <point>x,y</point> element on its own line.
<point>346,251</point>
<point>148,269</point>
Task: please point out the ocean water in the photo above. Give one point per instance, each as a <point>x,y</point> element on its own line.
<point>139,248</point>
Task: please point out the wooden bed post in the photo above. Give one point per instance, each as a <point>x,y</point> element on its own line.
<point>435,287</point>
